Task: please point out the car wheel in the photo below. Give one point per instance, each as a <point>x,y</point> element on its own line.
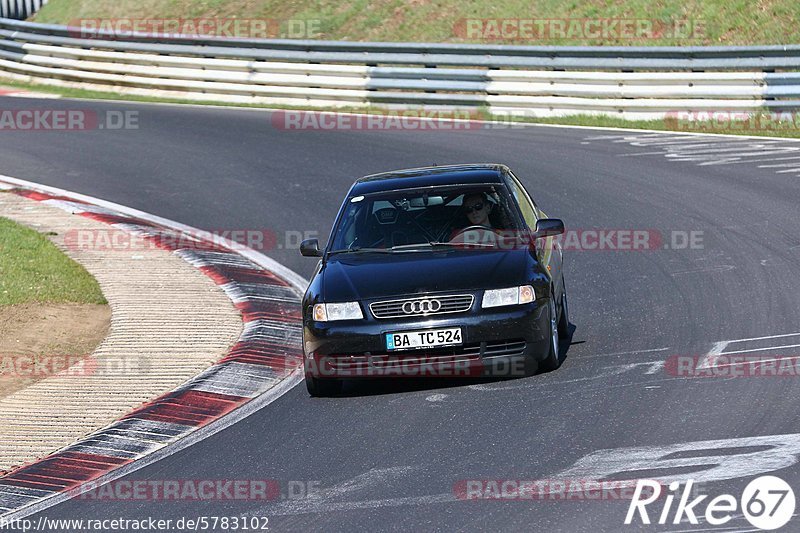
<point>553,359</point>
<point>563,321</point>
<point>323,387</point>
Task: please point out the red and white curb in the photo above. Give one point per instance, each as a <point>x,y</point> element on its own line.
<point>264,364</point>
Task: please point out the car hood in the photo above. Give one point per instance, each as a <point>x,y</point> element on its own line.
<point>368,276</point>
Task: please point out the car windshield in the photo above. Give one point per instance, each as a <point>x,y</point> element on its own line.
<point>419,219</point>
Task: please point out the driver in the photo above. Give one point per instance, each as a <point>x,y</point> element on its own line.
<point>477,208</point>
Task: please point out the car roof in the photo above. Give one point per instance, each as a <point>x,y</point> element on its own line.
<point>430,176</point>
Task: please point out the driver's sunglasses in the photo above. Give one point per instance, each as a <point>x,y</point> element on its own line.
<point>476,207</point>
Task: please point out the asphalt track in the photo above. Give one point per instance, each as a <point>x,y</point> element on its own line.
<point>387,456</point>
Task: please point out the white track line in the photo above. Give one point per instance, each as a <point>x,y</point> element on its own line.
<point>784,335</point>
<point>720,346</point>
<point>632,352</point>
<point>762,349</point>
<point>756,361</point>
<point>709,358</point>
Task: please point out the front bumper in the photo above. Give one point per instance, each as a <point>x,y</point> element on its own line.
<point>497,342</point>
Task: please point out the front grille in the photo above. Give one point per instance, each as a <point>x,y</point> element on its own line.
<point>503,349</point>
<point>423,306</point>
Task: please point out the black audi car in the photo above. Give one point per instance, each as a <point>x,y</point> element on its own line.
<point>440,271</point>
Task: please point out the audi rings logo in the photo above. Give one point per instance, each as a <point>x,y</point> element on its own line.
<point>424,307</point>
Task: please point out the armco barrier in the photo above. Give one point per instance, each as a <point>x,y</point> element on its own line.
<point>629,82</point>
<point>20,9</point>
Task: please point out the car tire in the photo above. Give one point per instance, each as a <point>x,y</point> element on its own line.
<point>552,360</point>
<point>323,387</point>
<point>563,321</point>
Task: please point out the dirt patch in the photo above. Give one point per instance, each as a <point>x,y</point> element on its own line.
<point>38,340</point>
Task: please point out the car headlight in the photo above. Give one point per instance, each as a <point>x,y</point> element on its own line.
<point>339,311</point>
<point>511,296</point>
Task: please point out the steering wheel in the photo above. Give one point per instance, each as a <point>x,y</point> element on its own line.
<point>471,228</point>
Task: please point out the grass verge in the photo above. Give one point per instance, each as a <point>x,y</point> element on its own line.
<point>551,22</point>
<point>33,269</point>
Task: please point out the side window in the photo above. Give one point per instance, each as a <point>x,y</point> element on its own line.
<point>349,228</point>
<point>525,204</point>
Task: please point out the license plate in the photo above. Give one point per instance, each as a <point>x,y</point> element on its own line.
<point>429,338</point>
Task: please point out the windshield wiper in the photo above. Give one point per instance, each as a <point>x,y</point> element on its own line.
<point>360,249</point>
<point>399,247</point>
<point>436,243</point>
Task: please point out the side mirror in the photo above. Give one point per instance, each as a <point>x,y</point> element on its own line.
<point>549,227</point>
<point>310,248</point>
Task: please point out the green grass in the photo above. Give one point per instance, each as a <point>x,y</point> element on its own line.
<point>723,22</point>
<point>32,269</point>
<point>787,130</point>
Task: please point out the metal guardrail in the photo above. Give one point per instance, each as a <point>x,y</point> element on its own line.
<point>632,82</point>
<point>20,9</point>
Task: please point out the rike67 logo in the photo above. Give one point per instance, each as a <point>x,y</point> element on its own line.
<point>767,503</point>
